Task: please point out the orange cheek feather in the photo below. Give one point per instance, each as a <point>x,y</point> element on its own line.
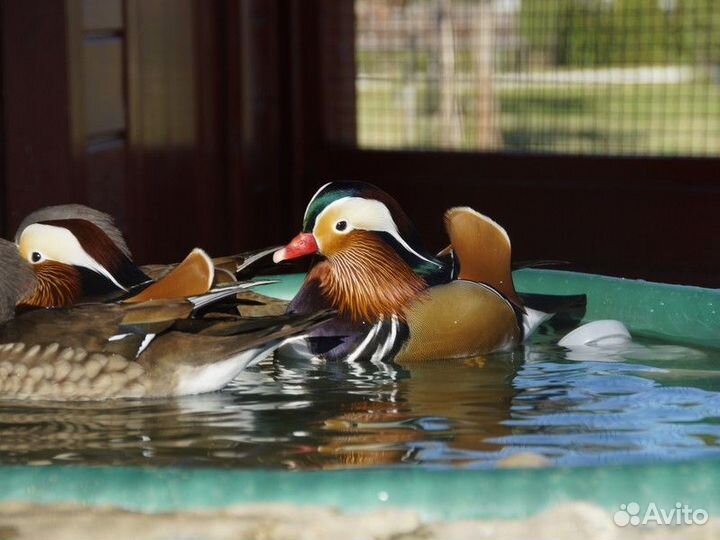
<point>367,280</point>
<point>57,285</point>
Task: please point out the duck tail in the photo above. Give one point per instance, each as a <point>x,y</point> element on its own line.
<point>560,311</point>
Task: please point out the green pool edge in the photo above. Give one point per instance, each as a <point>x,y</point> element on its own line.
<point>688,314</point>
<point>434,494</point>
<point>674,312</point>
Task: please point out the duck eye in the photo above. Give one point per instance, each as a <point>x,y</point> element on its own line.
<point>36,256</point>
<point>341,225</point>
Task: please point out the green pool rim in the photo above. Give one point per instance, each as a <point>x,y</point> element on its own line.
<point>434,494</point>
<point>672,312</point>
<point>679,313</point>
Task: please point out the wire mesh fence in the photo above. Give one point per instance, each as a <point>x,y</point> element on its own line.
<point>609,77</point>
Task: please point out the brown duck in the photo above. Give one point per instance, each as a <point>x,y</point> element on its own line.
<point>395,300</point>
<point>169,339</point>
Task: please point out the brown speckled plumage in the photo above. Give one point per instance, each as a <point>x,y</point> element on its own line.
<point>170,338</point>
<point>156,348</point>
<point>64,354</point>
<point>54,373</point>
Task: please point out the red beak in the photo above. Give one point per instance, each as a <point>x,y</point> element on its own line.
<point>303,244</point>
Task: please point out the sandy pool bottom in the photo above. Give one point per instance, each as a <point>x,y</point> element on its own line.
<point>27,521</point>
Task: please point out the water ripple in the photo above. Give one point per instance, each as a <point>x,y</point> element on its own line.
<point>647,402</point>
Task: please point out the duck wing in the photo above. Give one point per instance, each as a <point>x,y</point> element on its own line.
<point>481,248</point>
<point>229,268</point>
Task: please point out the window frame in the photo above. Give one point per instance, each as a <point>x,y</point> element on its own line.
<point>634,216</point>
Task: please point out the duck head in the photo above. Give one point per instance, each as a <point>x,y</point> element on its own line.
<point>374,262</point>
<point>73,252</point>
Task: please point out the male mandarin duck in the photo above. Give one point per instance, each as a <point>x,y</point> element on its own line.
<point>394,299</point>
<point>174,336</point>
<point>134,348</point>
<point>77,253</point>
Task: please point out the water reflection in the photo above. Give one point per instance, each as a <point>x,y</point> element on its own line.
<point>430,411</point>
<point>661,403</point>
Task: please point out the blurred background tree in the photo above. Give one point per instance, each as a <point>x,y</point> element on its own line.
<point>578,76</point>
<point>592,33</point>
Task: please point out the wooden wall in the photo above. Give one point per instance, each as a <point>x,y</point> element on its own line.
<point>39,165</point>
<point>165,113</point>
<point>210,122</point>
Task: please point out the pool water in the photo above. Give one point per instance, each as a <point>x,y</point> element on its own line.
<point>643,401</point>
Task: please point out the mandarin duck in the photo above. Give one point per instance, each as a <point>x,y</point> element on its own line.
<point>77,253</point>
<point>167,340</point>
<point>395,300</point>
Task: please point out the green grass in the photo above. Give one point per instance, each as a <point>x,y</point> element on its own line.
<point>681,119</point>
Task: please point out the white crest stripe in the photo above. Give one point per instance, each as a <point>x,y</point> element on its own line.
<point>369,215</point>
